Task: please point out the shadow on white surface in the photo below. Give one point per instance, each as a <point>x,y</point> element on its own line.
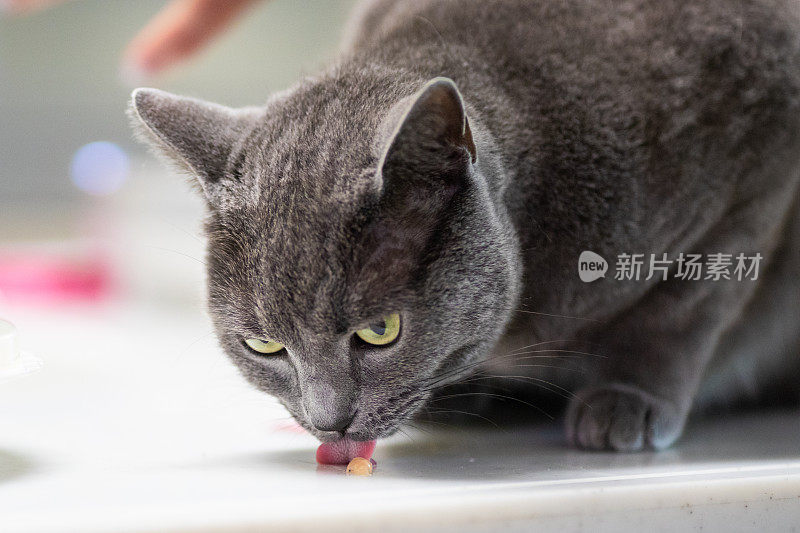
<point>14,465</point>
<point>539,452</point>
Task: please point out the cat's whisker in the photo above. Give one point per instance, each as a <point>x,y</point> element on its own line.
<point>176,252</point>
<point>517,352</point>
<point>542,383</point>
<point>417,427</point>
<point>554,315</point>
<point>543,314</point>
<point>440,380</point>
<point>575,353</point>
<point>430,420</point>
<point>468,413</point>
<point>183,230</point>
<point>492,385</point>
<point>555,353</point>
<point>552,341</point>
<point>493,395</point>
<point>193,343</point>
<point>554,367</point>
<point>541,343</point>
<point>405,434</point>
<point>431,382</point>
<point>485,385</point>
<point>530,365</point>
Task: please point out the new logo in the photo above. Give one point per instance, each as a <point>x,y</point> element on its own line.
<point>591,266</point>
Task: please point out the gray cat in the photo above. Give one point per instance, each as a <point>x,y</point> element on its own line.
<point>415,214</point>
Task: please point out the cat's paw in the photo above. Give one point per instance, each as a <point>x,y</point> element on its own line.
<point>622,418</point>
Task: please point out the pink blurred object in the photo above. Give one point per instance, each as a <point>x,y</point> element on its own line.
<point>42,276</point>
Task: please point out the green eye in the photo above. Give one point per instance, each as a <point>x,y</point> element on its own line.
<point>382,332</point>
<point>264,346</point>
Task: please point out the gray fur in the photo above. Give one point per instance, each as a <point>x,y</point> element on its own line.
<point>453,165</point>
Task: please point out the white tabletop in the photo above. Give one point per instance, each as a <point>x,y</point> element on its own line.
<point>138,423</point>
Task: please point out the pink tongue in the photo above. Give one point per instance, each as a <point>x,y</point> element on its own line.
<point>343,451</point>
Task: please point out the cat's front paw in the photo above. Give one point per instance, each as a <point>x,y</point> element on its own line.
<point>622,418</point>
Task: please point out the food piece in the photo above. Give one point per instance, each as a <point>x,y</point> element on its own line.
<point>359,467</point>
<point>341,452</point>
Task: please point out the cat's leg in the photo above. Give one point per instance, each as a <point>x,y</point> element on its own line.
<point>769,327</point>
<point>656,356</point>
<point>657,351</point>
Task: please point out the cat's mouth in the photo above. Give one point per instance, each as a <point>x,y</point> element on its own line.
<point>342,451</point>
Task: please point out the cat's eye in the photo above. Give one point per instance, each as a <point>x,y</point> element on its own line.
<point>265,346</point>
<point>382,332</point>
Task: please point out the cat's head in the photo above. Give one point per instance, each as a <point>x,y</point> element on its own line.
<point>357,259</point>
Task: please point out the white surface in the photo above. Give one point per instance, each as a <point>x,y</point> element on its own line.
<point>139,423</point>
<point>20,366</point>
<point>9,348</point>
<point>13,362</point>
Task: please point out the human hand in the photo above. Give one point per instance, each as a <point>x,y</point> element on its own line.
<point>178,32</point>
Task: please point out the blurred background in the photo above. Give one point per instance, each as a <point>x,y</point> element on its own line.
<point>86,214</point>
<point>101,268</point>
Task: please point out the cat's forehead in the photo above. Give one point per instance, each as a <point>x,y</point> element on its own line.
<point>284,273</point>
<point>312,174</point>
<point>313,150</point>
<point>314,164</point>
<point>296,242</point>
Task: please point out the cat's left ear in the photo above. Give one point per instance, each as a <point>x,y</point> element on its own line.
<point>430,133</point>
<point>198,136</point>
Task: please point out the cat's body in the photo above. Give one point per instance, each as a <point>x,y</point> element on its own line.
<point>639,127</point>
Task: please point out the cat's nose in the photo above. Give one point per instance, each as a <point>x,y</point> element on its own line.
<point>329,408</point>
<point>329,396</point>
<point>334,423</point>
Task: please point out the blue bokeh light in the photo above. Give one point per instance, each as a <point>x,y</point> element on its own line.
<point>99,168</point>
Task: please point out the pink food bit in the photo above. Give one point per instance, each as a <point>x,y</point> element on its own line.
<point>341,452</point>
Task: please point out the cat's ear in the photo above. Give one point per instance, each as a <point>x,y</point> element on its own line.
<point>432,134</point>
<point>198,136</point>
<point>426,160</point>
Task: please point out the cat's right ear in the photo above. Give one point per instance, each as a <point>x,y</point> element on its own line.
<point>429,134</point>
<point>197,136</point>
